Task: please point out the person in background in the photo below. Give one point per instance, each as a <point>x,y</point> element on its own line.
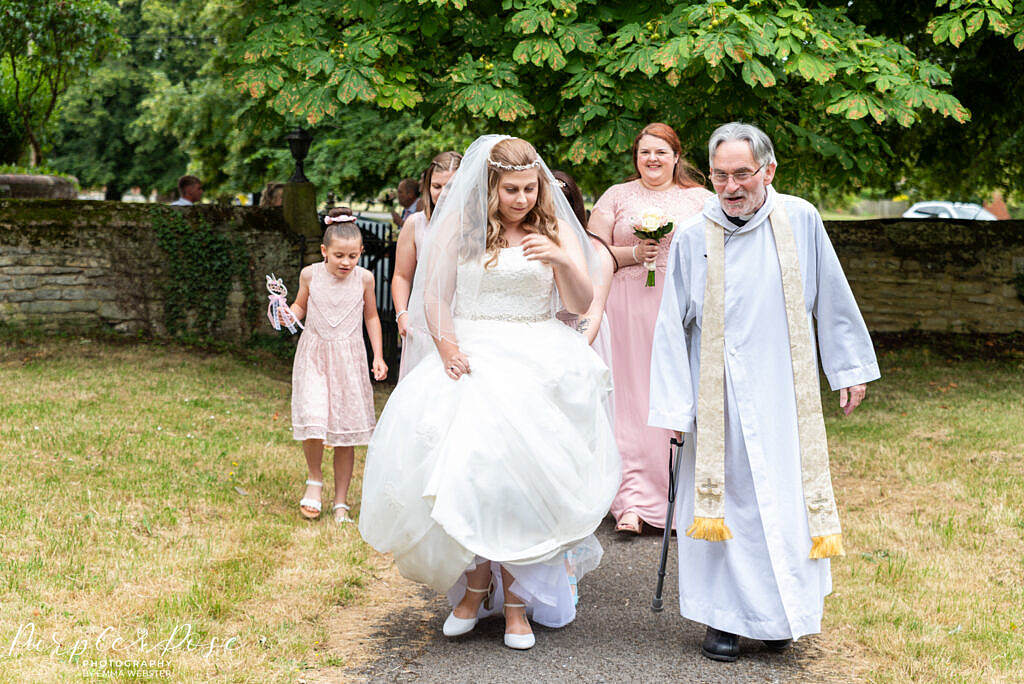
<point>664,183</point>
<point>190,191</point>
<point>134,195</point>
<point>409,198</point>
<point>412,238</point>
<point>272,195</point>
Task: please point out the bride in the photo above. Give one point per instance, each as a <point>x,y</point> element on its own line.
<point>494,460</point>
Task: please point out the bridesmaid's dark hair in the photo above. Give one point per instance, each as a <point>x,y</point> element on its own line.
<point>575,198</point>
<point>685,174</point>
<point>573,195</point>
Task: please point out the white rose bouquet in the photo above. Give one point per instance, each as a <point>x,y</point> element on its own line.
<point>653,226</point>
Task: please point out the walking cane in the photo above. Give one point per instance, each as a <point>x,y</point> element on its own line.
<point>673,477</point>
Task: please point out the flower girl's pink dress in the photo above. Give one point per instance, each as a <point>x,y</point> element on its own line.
<point>331,395</point>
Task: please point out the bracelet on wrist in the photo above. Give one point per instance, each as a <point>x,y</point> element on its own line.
<point>635,257</point>
<point>400,314</point>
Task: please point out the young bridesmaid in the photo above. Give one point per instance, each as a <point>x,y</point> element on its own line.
<point>332,401</point>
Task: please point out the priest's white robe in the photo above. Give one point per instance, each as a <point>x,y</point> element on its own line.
<point>760,584</point>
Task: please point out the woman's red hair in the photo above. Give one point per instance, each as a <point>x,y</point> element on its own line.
<point>685,174</point>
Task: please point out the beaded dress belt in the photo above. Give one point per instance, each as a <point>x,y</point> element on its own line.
<point>512,318</point>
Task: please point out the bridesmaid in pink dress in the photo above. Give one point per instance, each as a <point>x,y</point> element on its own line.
<point>412,238</point>
<point>668,184</point>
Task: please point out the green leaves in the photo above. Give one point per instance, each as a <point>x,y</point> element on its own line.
<point>814,68</point>
<point>966,17</point>
<point>355,83</point>
<point>576,78</point>
<point>539,51</point>
<point>582,37</point>
<point>755,73</point>
<point>44,46</point>
<point>529,20</point>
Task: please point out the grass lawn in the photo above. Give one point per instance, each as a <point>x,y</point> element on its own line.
<point>149,494</point>
<point>929,475</point>
<point>153,491</point>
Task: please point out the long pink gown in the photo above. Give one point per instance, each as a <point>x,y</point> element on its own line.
<point>632,310</point>
<point>332,398</point>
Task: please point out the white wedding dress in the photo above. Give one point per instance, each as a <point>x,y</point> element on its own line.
<point>514,463</point>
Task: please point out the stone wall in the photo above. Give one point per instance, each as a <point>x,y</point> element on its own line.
<point>76,264</point>
<point>935,276</point>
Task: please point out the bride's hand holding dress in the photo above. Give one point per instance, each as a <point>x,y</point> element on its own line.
<point>571,279</point>
<point>456,364</point>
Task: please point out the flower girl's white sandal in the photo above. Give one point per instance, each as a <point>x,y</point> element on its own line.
<point>456,626</point>
<point>315,504</point>
<point>341,513</point>
<point>520,642</point>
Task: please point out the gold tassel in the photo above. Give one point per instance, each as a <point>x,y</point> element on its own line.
<point>827,546</point>
<point>712,529</point>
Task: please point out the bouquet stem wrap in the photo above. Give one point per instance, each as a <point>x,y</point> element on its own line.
<point>652,226</point>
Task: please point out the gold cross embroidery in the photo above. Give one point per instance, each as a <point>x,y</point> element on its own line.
<point>710,490</point>
<point>820,504</point>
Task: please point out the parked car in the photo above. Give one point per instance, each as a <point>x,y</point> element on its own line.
<point>941,209</point>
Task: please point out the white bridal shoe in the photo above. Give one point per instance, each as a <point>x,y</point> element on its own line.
<point>456,626</point>
<point>520,642</point>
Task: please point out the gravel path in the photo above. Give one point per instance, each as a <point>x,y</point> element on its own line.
<point>615,637</point>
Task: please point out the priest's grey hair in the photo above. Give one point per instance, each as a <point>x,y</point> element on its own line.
<point>760,143</point>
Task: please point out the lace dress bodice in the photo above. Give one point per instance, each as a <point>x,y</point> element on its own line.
<point>513,289</point>
<point>335,304</point>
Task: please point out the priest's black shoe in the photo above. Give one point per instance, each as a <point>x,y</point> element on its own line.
<point>720,645</point>
<point>777,645</point>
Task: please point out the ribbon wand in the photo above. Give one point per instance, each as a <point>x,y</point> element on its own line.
<point>277,309</point>
<point>673,478</point>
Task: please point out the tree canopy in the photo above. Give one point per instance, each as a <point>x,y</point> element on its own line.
<point>580,78</point>
<point>45,46</point>
<point>979,42</point>
<point>864,94</point>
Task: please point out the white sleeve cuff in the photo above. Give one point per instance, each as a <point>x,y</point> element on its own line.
<point>854,376</point>
<point>681,422</point>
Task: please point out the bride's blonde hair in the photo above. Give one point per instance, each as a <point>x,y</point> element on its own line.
<point>515,154</point>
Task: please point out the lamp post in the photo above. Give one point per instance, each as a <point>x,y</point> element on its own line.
<point>298,143</point>
<point>299,205</point>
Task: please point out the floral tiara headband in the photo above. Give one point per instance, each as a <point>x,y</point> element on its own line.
<point>511,167</point>
<point>328,220</point>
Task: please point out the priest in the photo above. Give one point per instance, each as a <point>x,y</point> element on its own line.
<point>754,295</point>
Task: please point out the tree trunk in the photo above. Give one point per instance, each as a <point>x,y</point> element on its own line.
<point>35,152</point>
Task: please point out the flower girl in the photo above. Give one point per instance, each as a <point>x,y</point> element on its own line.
<point>332,401</point>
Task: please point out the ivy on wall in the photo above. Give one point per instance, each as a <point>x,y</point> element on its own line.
<point>200,265</point>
